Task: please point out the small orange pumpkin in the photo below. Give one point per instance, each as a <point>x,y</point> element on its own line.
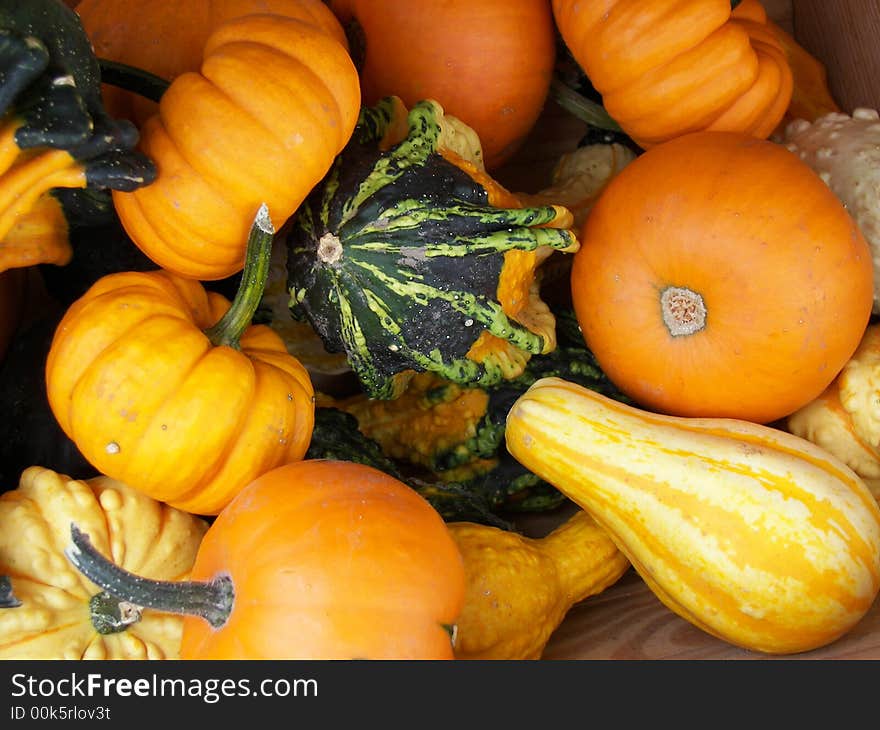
<point>719,276</point>
<point>487,62</point>
<point>319,559</point>
<point>667,67</point>
<point>166,37</point>
<point>164,386</point>
<point>276,99</point>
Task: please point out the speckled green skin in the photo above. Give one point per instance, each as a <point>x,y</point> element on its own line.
<point>415,256</point>
<point>508,486</point>
<point>336,436</point>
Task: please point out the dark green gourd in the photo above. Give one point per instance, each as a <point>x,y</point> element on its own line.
<point>60,152</point>
<point>336,436</point>
<point>453,436</point>
<point>408,257</point>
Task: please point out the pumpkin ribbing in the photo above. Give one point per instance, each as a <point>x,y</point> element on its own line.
<point>284,132</point>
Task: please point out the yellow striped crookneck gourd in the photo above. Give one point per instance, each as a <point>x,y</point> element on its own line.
<point>754,535</point>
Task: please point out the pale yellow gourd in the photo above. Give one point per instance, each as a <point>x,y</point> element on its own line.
<point>579,177</point>
<point>519,588</point>
<point>754,535</point>
<point>845,418</point>
<point>58,618</point>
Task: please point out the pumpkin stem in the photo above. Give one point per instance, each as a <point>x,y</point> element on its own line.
<point>7,597</point>
<point>110,615</point>
<point>132,78</point>
<point>581,107</point>
<point>229,329</point>
<point>212,600</point>
<point>683,310</point>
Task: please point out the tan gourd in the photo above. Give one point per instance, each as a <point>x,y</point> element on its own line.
<point>62,614</point>
<point>520,588</point>
<point>754,535</point>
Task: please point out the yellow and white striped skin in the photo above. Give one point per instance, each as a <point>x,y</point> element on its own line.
<point>754,535</point>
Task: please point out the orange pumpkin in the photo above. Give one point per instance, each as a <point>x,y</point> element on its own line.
<point>487,62</point>
<point>162,385</point>
<point>667,67</point>
<point>166,37</point>
<point>719,276</point>
<point>319,559</point>
<point>276,99</point>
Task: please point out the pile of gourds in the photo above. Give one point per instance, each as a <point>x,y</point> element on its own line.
<point>718,287</point>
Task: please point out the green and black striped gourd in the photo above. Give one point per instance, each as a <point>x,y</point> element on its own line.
<point>336,436</point>
<point>60,152</point>
<point>409,258</point>
<point>454,436</point>
<point>457,432</point>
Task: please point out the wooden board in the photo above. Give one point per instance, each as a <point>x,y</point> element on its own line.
<point>843,35</point>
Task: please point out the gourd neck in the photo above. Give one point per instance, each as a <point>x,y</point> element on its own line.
<point>229,329</point>
<point>587,560</point>
<point>211,600</point>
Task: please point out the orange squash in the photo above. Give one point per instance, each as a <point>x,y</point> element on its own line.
<point>166,37</point>
<point>487,62</point>
<point>811,95</point>
<point>164,386</point>
<point>319,559</point>
<point>719,276</point>
<point>666,67</point>
<point>275,101</point>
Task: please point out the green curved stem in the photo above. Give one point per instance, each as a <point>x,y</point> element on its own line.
<point>581,107</point>
<point>229,329</point>
<point>132,78</point>
<point>212,600</point>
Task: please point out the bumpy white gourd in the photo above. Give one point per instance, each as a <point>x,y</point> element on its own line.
<point>845,152</point>
<point>845,419</point>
